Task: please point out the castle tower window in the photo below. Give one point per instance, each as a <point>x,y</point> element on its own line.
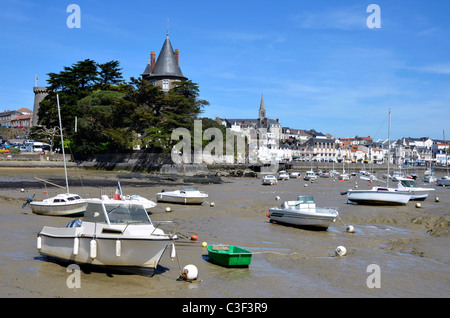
<point>165,84</point>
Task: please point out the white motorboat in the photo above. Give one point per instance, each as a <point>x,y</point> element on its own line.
<point>283,175</point>
<point>309,175</point>
<point>429,177</point>
<point>344,177</point>
<point>295,174</point>
<point>410,185</point>
<point>134,198</point>
<point>269,180</point>
<point>112,233</point>
<point>444,181</point>
<point>398,175</point>
<point>61,204</point>
<point>378,196</point>
<point>66,204</point>
<point>185,195</point>
<point>303,212</point>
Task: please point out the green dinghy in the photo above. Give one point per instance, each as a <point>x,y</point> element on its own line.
<point>229,255</point>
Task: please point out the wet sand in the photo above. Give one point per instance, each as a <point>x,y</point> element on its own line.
<point>410,245</point>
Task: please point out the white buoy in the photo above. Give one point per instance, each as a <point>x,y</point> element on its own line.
<point>93,249</point>
<point>189,272</point>
<point>418,205</point>
<point>168,209</point>
<point>39,243</point>
<point>173,252</point>
<point>76,244</point>
<point>306,185</point>
<point>22,190</point>
<point>437,199</point>
<point>212,204</point>
<point>340,251</point>
<point>277,198</point>
<point>350,229</point>
<point>118,248</point>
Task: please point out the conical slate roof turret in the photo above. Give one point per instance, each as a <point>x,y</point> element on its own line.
<point>166,65</point>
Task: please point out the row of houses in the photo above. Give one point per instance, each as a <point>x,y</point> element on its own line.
<point>275,142</point>
<point>20,118</point>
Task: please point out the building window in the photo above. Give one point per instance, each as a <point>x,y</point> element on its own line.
<point>165,84</point>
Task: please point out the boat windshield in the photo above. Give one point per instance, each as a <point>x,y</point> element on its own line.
<point>305,199</point>
<point>191,188</point>
<point>116,213</point>
<point>409,183</point>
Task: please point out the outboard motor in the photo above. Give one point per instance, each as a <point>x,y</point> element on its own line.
<point>29,200</point>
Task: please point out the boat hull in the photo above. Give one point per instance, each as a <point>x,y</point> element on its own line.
<point>68,245</point>
<point>378,197</point>
<point>180,199</point>
<point>321,218</point>
<point>63,209</point>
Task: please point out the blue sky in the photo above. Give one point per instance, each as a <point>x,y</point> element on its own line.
<point>317,63</point>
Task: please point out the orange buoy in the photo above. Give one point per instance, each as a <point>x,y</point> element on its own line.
<point>44,192</point>
<point>268,214</point>
<point>194,237</point>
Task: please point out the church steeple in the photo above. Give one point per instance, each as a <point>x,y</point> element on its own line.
<point>262,109</point>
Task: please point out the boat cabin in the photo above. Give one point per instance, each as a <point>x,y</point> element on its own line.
<point>115,213</point>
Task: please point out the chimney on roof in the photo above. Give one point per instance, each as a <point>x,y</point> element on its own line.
<point>152,60</point>
<point>177,56</point>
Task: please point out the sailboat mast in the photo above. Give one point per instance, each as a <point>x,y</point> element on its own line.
<point>389,148</point>
<point>62,143</point>
<point>445,151</point>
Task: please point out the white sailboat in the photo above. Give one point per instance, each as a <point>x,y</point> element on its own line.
<point>380,195</point>
<point>62,204</point>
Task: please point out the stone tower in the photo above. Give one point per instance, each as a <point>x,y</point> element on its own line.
<point>39,95</point>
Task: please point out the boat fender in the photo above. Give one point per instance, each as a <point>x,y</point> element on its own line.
<point>39,243</point>
<point>173,252</point>
<point>118,248</point>
<point>93,249</point>
<point>76,244</point>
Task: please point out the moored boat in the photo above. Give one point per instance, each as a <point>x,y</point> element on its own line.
<point>378,196</point>
<point>304,213</point>
<point>229,255</point>
<point>62,204</point>
<point>409,185</point>
<point>283,175</point>
<point>444,181</point>
<point>269,180</point>
<point>185,195</point>
<point>112,233</point>
<point>309,175</point>
<point>65,204</point>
